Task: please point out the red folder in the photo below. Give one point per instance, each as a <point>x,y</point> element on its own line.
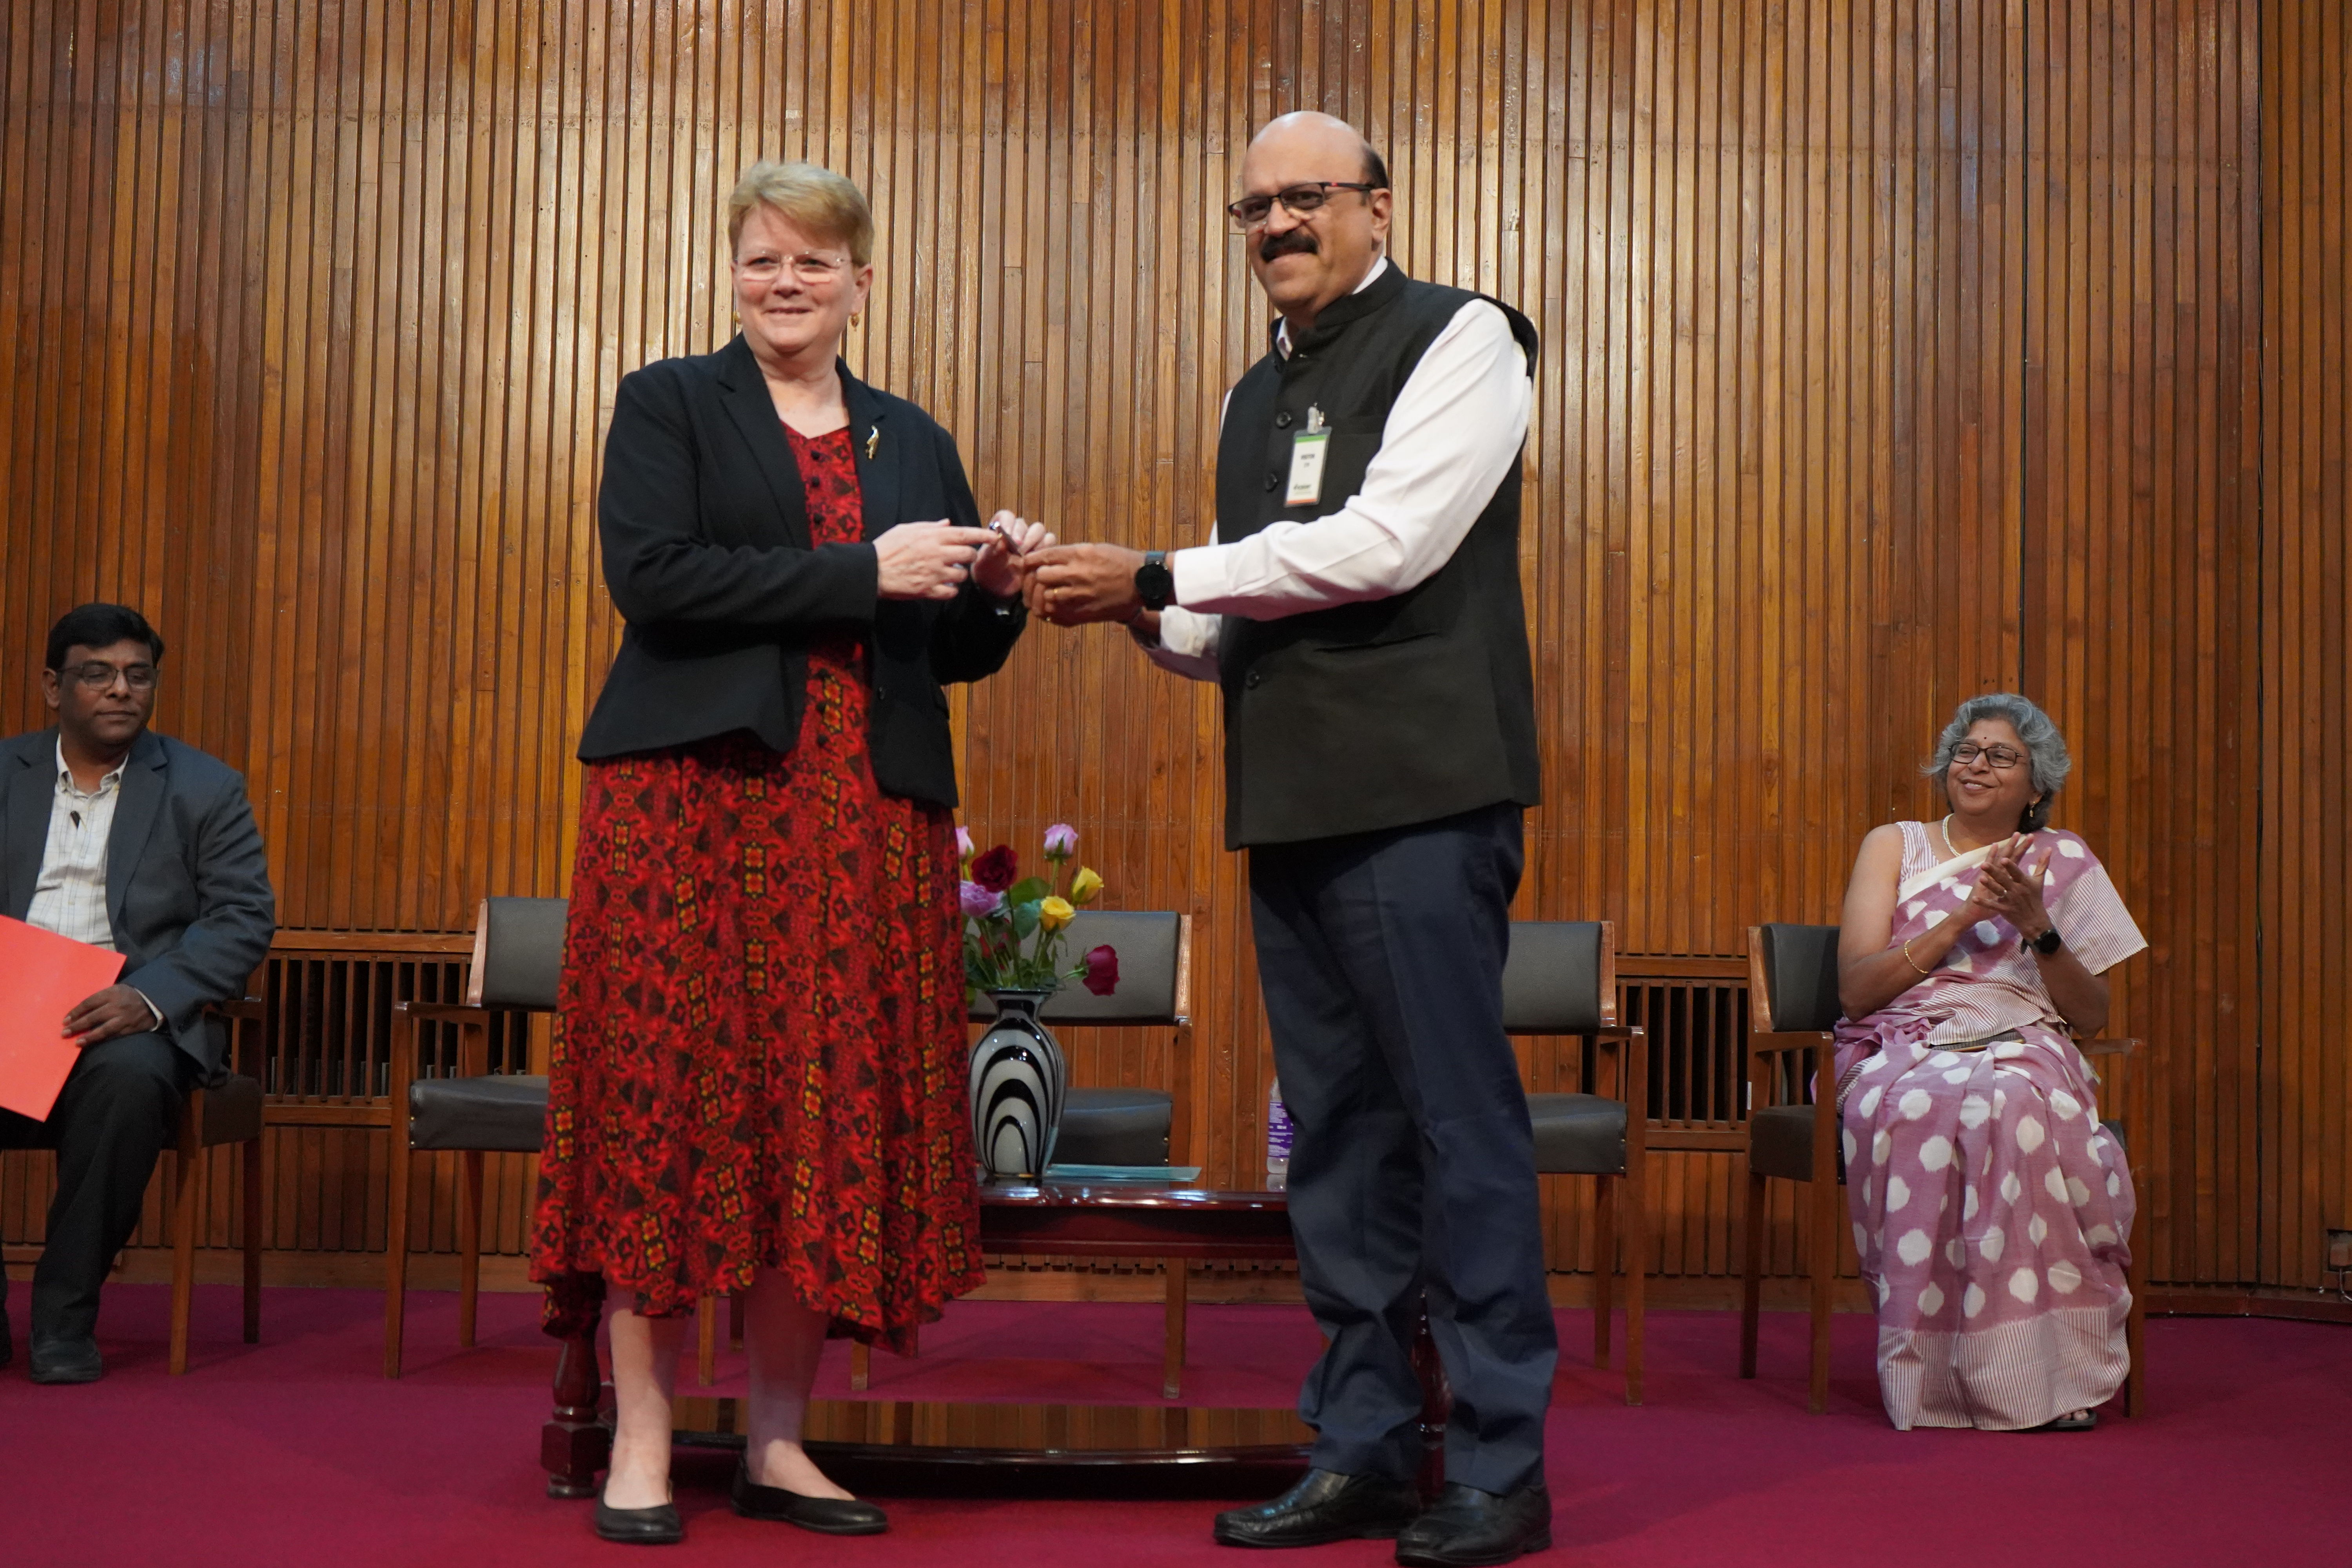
<point>42,977</point>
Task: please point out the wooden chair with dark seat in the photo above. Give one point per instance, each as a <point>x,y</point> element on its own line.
<point>1119,1125</point>
<point>226,1112</point>
<point>517,962</point>
<point>1561,978</point>
<point>1792,1135</point>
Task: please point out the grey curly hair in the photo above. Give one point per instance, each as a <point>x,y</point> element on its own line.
<point>2045,750</point>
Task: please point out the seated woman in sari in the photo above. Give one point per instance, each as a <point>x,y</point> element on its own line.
<point>1990,1210</point>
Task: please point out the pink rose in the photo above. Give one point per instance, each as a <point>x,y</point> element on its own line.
<point>964,851</point>
<point>1061,841</point>
<point>975,900</point>
<point>1102,970</point>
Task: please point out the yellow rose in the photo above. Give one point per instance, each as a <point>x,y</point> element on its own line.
<point>1054,913</point>
<point>1085,886</point>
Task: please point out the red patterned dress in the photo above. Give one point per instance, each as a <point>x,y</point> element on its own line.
<point>761,1055</point>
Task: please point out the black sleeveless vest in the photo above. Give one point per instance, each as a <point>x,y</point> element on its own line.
<point>1391,712</point>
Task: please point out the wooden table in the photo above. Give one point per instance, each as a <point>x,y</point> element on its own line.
<point>911,1446</point>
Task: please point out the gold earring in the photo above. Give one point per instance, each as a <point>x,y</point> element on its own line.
<point>855,317</point>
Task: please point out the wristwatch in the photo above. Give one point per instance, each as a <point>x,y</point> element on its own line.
<point>1154,584</point>
<point>2048,943</point>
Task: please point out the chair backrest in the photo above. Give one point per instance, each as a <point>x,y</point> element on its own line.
<point>1560,977</point>
<point>1794,979</point>
<point>517,953</point>
<point>1154,961</point>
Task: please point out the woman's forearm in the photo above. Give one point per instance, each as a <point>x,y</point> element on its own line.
<point>2080,996</point>
<point>1866,984</point>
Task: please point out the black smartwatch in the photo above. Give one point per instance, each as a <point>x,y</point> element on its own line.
<point>2048,943</point>
<point>1154,584</point>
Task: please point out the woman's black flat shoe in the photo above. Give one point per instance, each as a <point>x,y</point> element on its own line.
<point>825,1515</point>
<point>2088,1421</point>
<point>657,1525</point>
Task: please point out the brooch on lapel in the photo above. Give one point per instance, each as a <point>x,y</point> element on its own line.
<point>873,440</point>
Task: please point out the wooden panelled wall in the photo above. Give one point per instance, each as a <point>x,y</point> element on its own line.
<point>1895,350</point>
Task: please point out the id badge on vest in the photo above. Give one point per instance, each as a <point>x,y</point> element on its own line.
<point>1308,450</point>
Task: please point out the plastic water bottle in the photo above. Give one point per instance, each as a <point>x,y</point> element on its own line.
<point>1278,1140</point>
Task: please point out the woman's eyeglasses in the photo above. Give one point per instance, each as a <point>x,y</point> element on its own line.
<point>1298,201</point>
<point>2000,758</point>
<point>812,268</point>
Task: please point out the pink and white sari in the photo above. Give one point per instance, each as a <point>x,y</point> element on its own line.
<point>1990,1210</point>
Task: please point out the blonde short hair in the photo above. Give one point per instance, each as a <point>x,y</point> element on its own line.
<point>816,198</point>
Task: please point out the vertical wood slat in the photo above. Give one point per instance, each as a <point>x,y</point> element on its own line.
<point>1893,350</point>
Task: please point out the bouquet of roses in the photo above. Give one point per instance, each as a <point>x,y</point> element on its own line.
<point>1013,929</point>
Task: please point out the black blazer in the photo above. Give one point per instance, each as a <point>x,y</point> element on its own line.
<point>187,882</point>
<point>706,544</point>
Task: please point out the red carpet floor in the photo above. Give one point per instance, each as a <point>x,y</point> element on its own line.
<point>298,1452</point>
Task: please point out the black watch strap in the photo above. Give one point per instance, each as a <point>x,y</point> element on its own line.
<point>1154,584</point>
<point>2048,943</point>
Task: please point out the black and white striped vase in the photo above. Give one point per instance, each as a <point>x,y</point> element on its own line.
<point>1019,1077</point>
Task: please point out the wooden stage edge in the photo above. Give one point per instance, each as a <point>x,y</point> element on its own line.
<point>889,1448</point>
<point>438,1271</point>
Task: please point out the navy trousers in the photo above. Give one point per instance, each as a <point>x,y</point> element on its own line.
<point>1412,1167</point>
<point>118,1110</point>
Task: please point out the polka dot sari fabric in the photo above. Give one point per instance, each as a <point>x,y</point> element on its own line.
<point>1990,1208</point>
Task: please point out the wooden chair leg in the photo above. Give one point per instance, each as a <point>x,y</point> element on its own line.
<point>706,1341</point>
<point>395,1246</point>
<point>1180,1274</point>
<point>188,1179</point>
<point>248,1160</point>
<point>861,1366</point>
<point>1751,1271</point>
<point>1637,1274</point>
<point>1827,1227</point>
<point>469,1247</point>
<point>1605,1265</point>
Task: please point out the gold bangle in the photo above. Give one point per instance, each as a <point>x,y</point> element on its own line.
<point>1911,961</point>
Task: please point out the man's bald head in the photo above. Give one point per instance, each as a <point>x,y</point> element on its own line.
<point>1324,132</point>
<point>1306,262</point>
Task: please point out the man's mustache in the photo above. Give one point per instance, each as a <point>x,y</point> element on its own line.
<point>1297,241</point>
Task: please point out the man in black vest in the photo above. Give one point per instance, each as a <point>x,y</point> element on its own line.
<point>1361,608</point>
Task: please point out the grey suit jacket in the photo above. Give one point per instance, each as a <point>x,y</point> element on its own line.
<point>187,882</point>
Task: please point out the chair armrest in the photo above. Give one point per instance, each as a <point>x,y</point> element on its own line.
<point>1615,1034</point>
<point>1763,1044</point>
<point>442,1012</point>
<point>2101,1047</point>
<point>244,1010</point>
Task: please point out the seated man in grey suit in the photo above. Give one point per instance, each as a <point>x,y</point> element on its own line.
<point>130,841</point>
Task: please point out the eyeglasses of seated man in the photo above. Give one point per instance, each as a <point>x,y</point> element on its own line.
<point>99,676</point>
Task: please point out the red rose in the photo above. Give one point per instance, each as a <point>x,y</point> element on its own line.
<point>996,869</point>
<point>1102,971</point>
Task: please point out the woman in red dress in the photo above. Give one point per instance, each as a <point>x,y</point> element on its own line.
<point>759,1082</point>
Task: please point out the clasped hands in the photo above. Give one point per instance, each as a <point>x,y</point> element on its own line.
<point>934,559</point>
<point>1067,585</point>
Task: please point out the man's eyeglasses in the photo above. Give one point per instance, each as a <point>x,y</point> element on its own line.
<point>812,268</point>
<point>96,677</point>
<point>2000,758</point>
<point>1298,201</point>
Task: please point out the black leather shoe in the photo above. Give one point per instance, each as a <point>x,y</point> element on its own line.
<point>1467,1528</point>
<point>657,1525</point>
<point>1323,1506</point>
<point>825,1515</point>
<point>66,1361</point>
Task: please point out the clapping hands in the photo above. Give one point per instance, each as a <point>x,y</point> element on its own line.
<point>2008,884</point>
